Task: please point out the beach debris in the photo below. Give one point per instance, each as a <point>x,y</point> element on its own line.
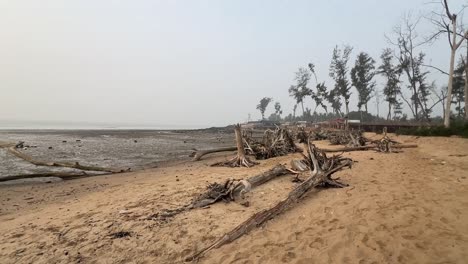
<point>385,144</point>
<point>321,169</point>
<point>240,160</point>
<point>198,154</point>
<point>85,170</point>
<point>230,190</point>
<point>274,143</point>
<point>61,175</point>
<point>74,165</point>
<point>120,234</point>
<point>302,136</point>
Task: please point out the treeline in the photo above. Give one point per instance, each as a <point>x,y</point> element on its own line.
<point>404,70</point>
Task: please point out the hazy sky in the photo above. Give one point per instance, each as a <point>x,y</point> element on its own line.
<point>189,63</point>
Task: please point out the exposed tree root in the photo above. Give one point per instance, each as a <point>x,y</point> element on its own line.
<point>238,161</point>
<point>241,159</point>
<point>321,168</point>
<point>274,144</point>
<point>230,190</point>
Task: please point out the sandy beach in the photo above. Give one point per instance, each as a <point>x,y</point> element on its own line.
<point>408,207</point>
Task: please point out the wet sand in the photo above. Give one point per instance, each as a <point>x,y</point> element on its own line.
<point>409,207</point>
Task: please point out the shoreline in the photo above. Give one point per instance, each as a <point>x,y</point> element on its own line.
<point>135,149</point>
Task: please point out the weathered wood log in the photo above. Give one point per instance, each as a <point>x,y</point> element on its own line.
<point>61,175</point>
<point>200,153</point>
<point>241,160</point>
<point>229,191</point>
<point>268,175</point>
<point>323,168</point>
<point>368,147</point>
<point>74,165</point>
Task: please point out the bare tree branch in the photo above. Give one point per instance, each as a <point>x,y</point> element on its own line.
<point>435,68</point>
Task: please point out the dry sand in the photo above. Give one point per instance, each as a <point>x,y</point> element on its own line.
<point>410,207</point>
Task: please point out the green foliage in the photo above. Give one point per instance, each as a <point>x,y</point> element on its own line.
<point>278,110</point>
<point>456,128</point>
<point>339,73</point>
<point>264,102</point>
<point>391,90</point>
<point>300,91</point>
<point>321,90</point>
<point>361,78</point>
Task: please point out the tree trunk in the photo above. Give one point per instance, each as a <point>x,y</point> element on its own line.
<point>389,115</point>
<point>240,160</point>
<point>303,112</point>
<point>61,175</point>
<point>448,102</point>
<point>466,84</point>
<point>199,154</point>
<point>347,115</point>
<point>230,190</point>
<point>73,165</point>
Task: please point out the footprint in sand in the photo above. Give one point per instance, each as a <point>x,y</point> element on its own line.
<point>317,243</point>
<point>288,257</point>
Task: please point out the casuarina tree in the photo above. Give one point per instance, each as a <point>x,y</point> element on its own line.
<point>362,75</point>
<point>339,73</point>
<point>262,106</point>
<point>300,91</point>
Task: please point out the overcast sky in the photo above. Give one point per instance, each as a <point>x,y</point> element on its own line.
<point>180,63</point>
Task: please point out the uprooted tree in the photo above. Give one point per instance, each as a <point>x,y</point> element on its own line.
<point>321,170</point>
<point>230,190</point>
<point>240,160</point>
<point>273,143</point>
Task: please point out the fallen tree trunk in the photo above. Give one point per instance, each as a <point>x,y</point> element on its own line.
<point>73,165</point>
<point>229,191</point>
<point>369,147</point>
<point>323,168</point>
<point>200,153</point>
<point>61,175</point>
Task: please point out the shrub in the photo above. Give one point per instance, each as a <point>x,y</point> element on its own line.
<point>456,128</point>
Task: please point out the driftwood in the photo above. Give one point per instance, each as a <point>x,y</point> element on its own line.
<point>230,190</point>
<point>61,175</point>
<point>240,160</point>
<point>275,143</point>
<point>350,138</point>
<point>200,153</point>
<point>368,147</point>
<point>321,168</point>
<point>73,165</point>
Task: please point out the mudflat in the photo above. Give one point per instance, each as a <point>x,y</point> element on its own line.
<point>135,149</point>
<point>408,207</point>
